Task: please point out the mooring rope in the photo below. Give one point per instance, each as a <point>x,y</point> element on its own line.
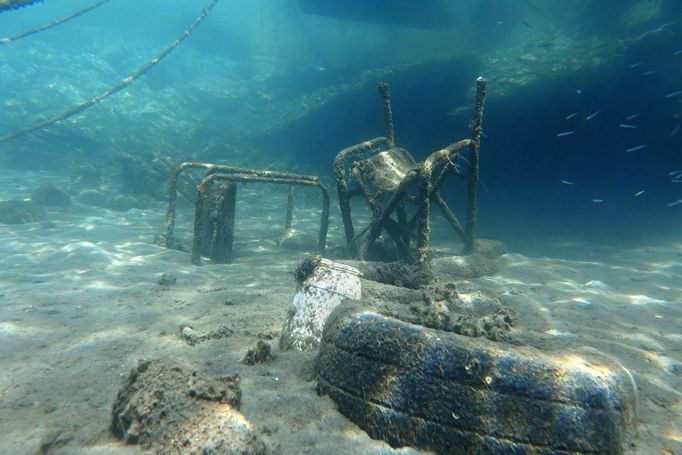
<point>118,87</point>
<point>54,23</point>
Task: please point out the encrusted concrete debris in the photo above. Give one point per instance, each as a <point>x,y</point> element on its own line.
<point>167,410</point>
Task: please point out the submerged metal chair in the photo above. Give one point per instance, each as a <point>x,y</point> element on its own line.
<point>390,180</point>
<point>214,212</point>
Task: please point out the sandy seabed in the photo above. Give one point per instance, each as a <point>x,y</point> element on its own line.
<point>86,295</point>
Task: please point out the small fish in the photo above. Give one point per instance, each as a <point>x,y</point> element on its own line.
<point>649,73</point>
<point>570,116</point>
<point>674,94</point>
<point>630,117</point>
<point>625,125</point>
<point>635,65</point>
<point>565,133</point>
<point>674,174</point>
<point>679,201</point>
<point>526,24</point>
<point>567,182</point>
<point>674,131</point>
<point>592,115</point>
<point>579,91</point>
<point>677,52</point>
<point>639,193</point>
<point>637,147</point>
<point>597,201</point>
<point>500,22</point>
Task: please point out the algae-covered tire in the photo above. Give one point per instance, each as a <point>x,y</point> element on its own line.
<point>410,385</point>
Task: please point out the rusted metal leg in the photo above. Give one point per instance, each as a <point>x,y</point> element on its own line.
<point>424,230</point>
<point>476,129</point>
<point>199,220</point>
<point>221,247</point>
<point>388,113</point>
<point>447,213</point>
<point>324,220</point>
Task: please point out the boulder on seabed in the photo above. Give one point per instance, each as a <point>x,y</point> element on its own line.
<point>50,196</point>
<point>166,410</point>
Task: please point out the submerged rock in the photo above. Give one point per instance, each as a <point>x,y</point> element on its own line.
<point>93,197</point>
<point>260,354</point>
<point>20,212</point>
<point>50,196</point>
<point>124,202</point>
<point>167,410</point>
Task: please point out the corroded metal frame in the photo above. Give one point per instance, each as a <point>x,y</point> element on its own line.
<point>235,174</point>
<point>443,161</point>
<point>292,180</point>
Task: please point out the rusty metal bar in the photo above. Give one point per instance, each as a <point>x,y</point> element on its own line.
<point>388,113</point>
<point>476,130</point>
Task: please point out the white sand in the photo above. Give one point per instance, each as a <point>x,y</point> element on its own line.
<point>80,305</point>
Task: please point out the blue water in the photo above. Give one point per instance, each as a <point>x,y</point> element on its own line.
<point>582,142</point>
<point>242,74</point>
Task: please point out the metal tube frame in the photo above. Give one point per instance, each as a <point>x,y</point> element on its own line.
<point>259,177</point>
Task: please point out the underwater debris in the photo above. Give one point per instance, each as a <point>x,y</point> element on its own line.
<point>221,243</point>
<point>386,178</point>
<point>410,385</point>
<point>327,285</point>
<point>215,207</point>
<point>167,410</point>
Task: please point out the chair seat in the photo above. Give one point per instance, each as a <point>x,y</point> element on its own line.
<point>384,171</point>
